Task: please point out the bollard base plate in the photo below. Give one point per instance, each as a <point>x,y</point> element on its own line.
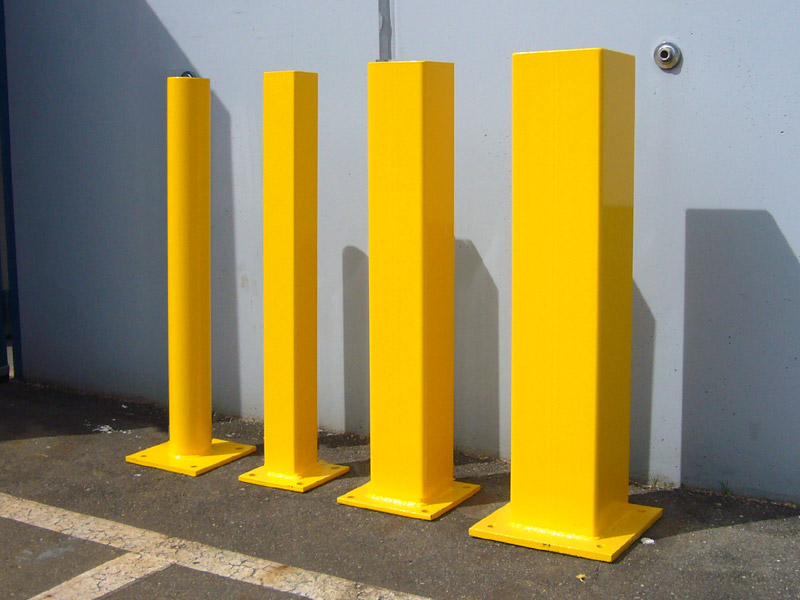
<point>160,457</point>
<point>321,473</point>
<point>367,496</point>
<point>633,523</point>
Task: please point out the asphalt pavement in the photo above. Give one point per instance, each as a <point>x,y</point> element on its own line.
<point>75,511</point>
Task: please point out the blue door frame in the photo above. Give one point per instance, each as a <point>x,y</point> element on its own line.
<point>9,311</point>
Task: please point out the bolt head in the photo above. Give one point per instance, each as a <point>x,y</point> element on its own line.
<point>667,55</point>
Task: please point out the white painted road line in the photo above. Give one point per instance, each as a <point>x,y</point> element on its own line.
<point>193,555</point>
<point>108,577</point>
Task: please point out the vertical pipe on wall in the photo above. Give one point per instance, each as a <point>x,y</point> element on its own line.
<point>190,449</point>
<point>385,31</point>
<point>572,233</point>
<point>411,248</point>
<point>290,287</point>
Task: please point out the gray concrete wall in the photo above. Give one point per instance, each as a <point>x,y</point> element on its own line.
<point>715,233</point>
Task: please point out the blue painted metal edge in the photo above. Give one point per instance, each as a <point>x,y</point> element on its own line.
<point>12,304</point>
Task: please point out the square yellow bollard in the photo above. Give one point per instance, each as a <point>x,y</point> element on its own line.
<point>573,145</point>
<point>290,287</point>
<point>411,270</point>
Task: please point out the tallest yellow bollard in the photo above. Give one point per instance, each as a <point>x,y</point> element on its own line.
<point>573,142</point>
<point>190,449</point>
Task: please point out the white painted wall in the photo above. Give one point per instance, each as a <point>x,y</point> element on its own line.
<point>715,368</point>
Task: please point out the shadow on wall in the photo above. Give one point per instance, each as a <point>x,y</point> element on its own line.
<point>642,356</point>
<point>92,237</point>
<point>226,366</point>
<point>477,379</point>
<point>741,355</point>
<point>355,308</point>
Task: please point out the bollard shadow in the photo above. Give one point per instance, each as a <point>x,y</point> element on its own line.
<point>355,336</point>
<point>741,355</point>
<point>358,468</point>
<point>495,487</point>
<point>642,357</point>
<point>476,360</point>
<point>688,510</point>
<point>493,475</point>
<point>349,449</point>
<point>225,281</point>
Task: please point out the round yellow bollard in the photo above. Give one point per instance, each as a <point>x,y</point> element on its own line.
<point>189,263</point>
<point>190,449</point>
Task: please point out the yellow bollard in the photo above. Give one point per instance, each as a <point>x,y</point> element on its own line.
<point>290,287</point>
<point>573,141</point>
<point>411,292</point>
<point>190,449</point>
